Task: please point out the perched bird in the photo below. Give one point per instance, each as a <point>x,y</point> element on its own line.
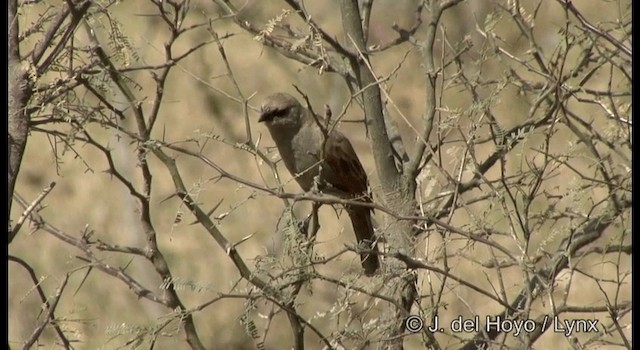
<point>299,139</point>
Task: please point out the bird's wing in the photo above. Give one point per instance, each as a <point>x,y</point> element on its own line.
<point>347,173</point>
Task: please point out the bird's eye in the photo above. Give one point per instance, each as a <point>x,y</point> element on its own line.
<point>275,113</point>
<point>279,112</point>
<point>270,114</point>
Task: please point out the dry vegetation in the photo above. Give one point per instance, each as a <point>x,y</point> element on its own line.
<point>173,225</point>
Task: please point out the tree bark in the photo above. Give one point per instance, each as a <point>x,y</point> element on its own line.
<point>19,94</point>
<point>398,189</point>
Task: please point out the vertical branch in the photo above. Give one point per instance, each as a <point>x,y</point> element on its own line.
<point>19,94</point>
<point>382,150</point>
<point>398,190</point>
<point>144,128</point>
<point>413,167</point>
<point>366,17</point>
<point>20,85</point>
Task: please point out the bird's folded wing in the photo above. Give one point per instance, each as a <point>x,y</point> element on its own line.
<point>347,171</point>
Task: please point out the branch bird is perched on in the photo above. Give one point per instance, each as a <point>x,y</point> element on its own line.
<point>299,139</point>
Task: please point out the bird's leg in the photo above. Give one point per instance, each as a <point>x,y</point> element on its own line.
<point>315,188</point>
<point>320,185</point>
<point>303,226</point>
<point>315,223</point>
<point>310,225</point>
<point>309,228</point>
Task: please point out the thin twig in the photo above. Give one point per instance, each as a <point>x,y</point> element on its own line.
<point>43,298</point>
<point>27,212</point>
<point>49,315</point>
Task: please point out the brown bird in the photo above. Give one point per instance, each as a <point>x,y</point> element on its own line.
<point>299,139</point>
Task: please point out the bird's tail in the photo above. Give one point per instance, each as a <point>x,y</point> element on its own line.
<point>363,228</point>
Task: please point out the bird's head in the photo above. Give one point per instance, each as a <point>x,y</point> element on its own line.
<point>281,110</point>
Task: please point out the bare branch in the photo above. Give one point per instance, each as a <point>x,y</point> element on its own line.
<point>29,209</point>
<point>51,307</point>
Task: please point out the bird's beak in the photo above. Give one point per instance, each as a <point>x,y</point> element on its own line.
<point>265,116</point>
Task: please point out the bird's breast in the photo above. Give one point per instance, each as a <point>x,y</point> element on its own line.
<point>306,159</point>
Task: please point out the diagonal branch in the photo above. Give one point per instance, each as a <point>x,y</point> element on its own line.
<point>45,301</point>
<point>29,209</point>
<point>572,8</point>
<point>51,307</point>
